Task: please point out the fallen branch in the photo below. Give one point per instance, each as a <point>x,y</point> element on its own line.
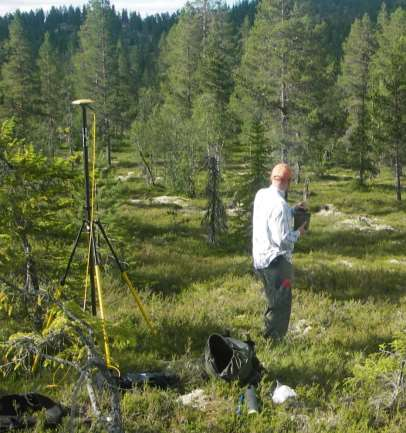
<point>27,347</point>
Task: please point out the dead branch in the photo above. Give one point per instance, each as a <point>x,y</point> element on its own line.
<point>25,347</point>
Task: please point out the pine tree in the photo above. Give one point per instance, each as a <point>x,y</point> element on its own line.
<point>95,65</point>
<point>388,91</point>
<point>354,83</point>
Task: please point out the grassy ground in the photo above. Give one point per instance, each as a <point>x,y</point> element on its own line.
<point>349,300</point>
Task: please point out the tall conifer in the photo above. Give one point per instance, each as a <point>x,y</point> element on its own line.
<point>180,86</point>
<point>354,83</point>
<point>277,74</point>
<point>50,92</point>
<point>388,90</point>
<point>95,65</point>
<point>257,167</point>
<point>211,110</point>
<point>19,85</point>
<point>124,97</point>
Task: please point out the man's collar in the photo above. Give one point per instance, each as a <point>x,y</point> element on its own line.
<point>280,192</point>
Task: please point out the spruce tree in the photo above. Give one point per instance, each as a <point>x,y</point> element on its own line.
<point>257,161</point>
<point>19,86</point>
<point>256,156</point>
<point>211,112</point>
<point>354,83</point>
<point>388,91</point>
<point>320,119</point>
<point>215,216</point>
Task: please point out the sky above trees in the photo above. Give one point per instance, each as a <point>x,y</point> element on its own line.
<point>144,7</point>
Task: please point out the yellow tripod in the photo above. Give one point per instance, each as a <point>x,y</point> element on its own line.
<point>90,224</point>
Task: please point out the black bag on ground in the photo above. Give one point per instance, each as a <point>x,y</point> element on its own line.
<point>154,379</point>
<point>16,411</point>
<point>231,359</point>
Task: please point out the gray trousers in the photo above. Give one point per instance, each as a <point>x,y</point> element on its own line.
<point>277,279</point>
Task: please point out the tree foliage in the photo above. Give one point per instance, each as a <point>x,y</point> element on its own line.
<point>34,194</point>
<point>258,167</point>
<point>388,74</point>
<point>354,82</point>
<point>282,72</point>
<point>19,85</point>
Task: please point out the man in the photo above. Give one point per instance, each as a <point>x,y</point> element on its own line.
<point>273,240</point>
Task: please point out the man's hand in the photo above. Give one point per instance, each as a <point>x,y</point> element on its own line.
<point>301,205</point>
<point>302,229</point>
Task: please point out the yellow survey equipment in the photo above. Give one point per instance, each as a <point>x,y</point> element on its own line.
<point>90,225</point>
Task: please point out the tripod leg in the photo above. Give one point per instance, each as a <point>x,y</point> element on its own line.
<point>93,262</point>
<point>95,266</point>
<point>125,277</point>
<point>63,279</point>
<point>102,315</point>
<point>118,263</point>
<point>90,272</point>
<point>137,300</point>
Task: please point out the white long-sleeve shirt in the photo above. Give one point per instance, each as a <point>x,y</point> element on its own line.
<point>272,233</point>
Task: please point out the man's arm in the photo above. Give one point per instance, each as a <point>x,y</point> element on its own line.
<point>280,230</point>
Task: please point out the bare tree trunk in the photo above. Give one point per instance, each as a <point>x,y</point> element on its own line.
<point>189,89</point>
<point>215,216</point>
<point>398,173</point>
<point>147,165</point>
<point>283,103</point>
<point>31,277</point>
<point>31,281</point>
<point>52,138</point>
<point>205,16</point>
<point>298,172</point>
<point>361,169</point>
<point>284,124</point>
<point>108,142</point>
<point>306,192</point>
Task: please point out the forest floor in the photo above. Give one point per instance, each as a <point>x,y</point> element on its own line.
<point>348,305</point>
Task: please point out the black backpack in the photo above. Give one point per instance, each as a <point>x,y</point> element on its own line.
<point>17,411</point>
<point>231,359</point>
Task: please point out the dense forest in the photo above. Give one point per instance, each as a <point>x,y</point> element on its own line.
<point>320,83</point>
<point>307,74</point>
<point>202,103</point>
<point>310,82</point>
